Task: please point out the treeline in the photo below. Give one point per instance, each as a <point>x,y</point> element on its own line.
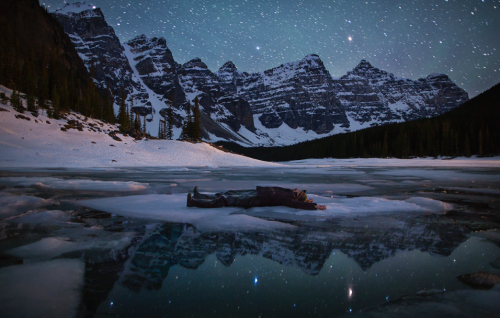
<point>38,59</point>
<point>470,129</point>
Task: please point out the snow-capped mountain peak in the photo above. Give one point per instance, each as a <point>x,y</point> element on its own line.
<point>364,70</point>
<point>195,63</point>
<point>81,9</point>
<point>293,102</point>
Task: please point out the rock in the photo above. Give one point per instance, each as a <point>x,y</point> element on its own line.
<point>4,110</point>
<point>99,46</point>
<point>496,263</point>
<point>480,280</point>
<point>22,117</point>
<point>48,122</point>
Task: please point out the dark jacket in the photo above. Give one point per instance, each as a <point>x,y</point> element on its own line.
<point>275,196</point>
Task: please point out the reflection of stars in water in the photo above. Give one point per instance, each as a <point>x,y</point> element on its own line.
<point>255,281</point>
<point>350,292</point>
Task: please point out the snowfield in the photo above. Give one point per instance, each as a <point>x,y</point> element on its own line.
<point>39,142</point>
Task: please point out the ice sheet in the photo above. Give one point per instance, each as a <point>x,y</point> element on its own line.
<point>12,205</point>
<point>364,205</point>
<point>75,184</point>
<point>394,162</point>
<point>172,208</point>
<point>442,175</point>
<point>46,289</point>
<point>51,247</point>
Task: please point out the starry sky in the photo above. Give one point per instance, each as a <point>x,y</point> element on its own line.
<point>411,39</point>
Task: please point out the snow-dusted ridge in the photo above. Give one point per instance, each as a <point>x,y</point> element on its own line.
<point>78,8</point>
<point>295,101</point>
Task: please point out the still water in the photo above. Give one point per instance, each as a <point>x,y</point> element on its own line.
<point>60,258</point>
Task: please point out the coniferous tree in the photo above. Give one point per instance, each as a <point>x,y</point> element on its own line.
<point>467,152</point>
<point>170,124</point>
<point>129,119</point>
<point>16,102</point>
<point>56,103</point>
<point>42,85</point>
<point>187,128</point>
<point>137,123</point>
<point>122,112</point>
<point>170,117</point>
<point>196,129</point>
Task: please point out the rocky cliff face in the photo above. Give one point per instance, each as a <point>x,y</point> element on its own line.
<point>102,52</point>
<point>223,113</point>
<point>303,95</point>
<point>299,94</point>
<point>372,97</point>
<point>293,102</point>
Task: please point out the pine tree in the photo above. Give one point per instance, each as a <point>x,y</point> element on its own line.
<point>170,117</point>
<point>187,129</point>
<point>161,129</point>
<point>137,123</point>
<point>144,125</point>
<point>170,123</point>
<point>16,102</point>
<point>131,119</point>
<point>196,130</point>
<point>467,146</point>
<point>122,112</point>
<point>56,103</point>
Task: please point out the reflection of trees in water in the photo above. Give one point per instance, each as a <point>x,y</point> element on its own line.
<point>174,244</point>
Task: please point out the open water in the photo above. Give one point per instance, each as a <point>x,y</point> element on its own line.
<point>61,258</point>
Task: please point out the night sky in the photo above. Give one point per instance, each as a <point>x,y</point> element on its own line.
<point>411,39</point>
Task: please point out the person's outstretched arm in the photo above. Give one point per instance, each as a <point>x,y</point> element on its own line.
<point>304,205</point>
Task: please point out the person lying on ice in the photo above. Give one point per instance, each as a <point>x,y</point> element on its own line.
<point>262,196</point>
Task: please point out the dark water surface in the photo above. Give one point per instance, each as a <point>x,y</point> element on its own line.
<point>59,259</point>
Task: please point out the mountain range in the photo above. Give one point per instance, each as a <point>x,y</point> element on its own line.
<point>290,103</point>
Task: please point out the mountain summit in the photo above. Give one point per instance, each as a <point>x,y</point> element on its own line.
<point>293,102</point>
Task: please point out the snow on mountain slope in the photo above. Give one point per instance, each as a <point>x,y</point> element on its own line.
<point>104,56</point>
<point>295,101</point>
<point>40,142</point>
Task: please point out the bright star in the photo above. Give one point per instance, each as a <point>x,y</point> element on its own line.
<point>349,38</point>
<point>258,47</point>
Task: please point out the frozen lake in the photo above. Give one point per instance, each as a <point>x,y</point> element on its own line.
<point>121,243</point>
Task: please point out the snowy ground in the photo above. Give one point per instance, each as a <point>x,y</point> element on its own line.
<point>39,142</point>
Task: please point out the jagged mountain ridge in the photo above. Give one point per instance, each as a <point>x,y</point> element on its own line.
<point>293,102</point>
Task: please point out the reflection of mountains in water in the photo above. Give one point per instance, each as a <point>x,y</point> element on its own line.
<point>181,244</point>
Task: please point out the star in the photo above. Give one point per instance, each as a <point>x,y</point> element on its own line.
<point>448,35</point>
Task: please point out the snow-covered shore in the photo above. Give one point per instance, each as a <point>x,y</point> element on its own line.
<point>36,142</point>
<point>40,142</point>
